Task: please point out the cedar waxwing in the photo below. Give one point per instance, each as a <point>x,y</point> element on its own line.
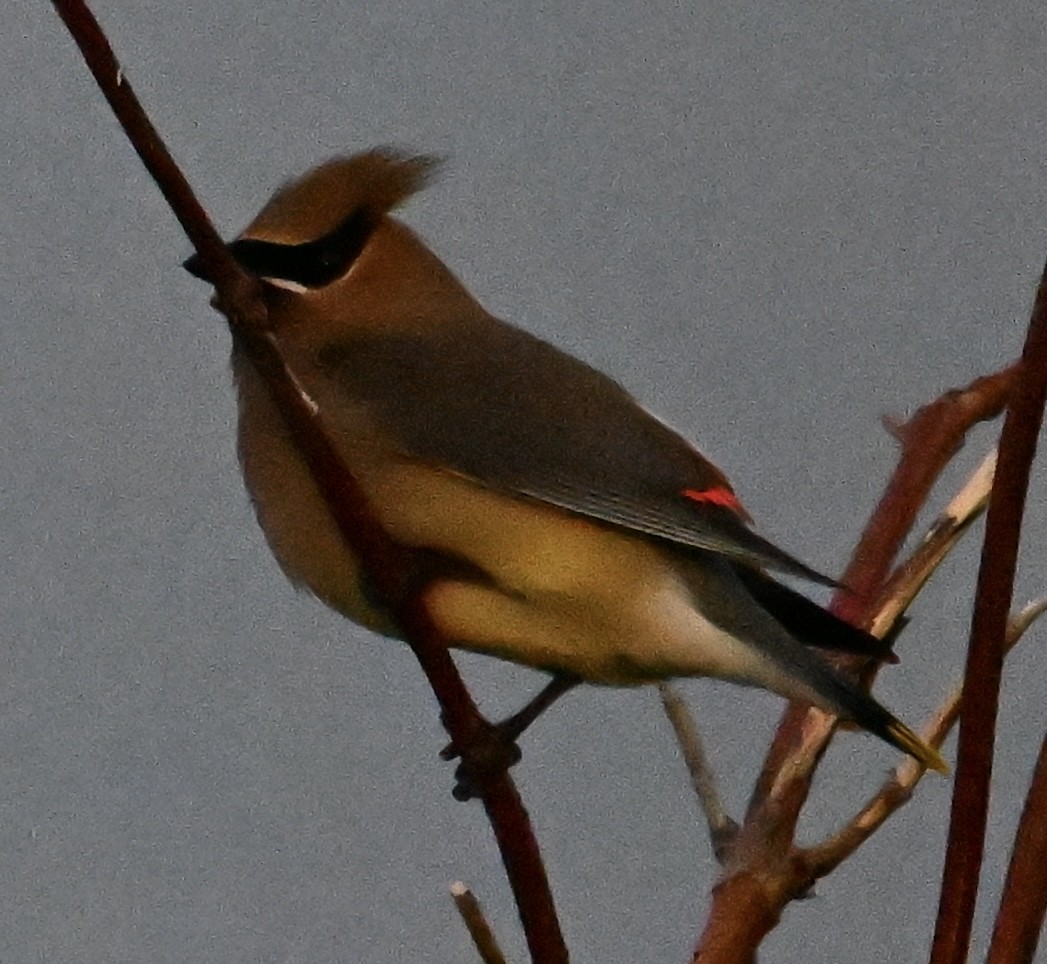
<point>581,535</point>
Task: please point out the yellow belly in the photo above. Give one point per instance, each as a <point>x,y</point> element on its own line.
<point>561,593</point>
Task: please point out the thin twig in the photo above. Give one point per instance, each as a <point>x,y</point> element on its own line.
<point>472,915</point>
<point>767,872</point>
<point>970,802</point>
<point>945,532</point>
<point>721,827</point>
<point>1024,899</point>
<point>238,298</point>
<point>823,858</point>
<point>910,577</point>
<point>229,277</point>
<point>928,440</point>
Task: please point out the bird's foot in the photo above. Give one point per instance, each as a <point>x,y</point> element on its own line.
<point>490,750</point>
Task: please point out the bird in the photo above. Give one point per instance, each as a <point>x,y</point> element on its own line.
<point>565,527</point>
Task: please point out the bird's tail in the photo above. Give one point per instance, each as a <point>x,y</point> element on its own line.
<point>768,617</point>
<point>840,696</point>
<point>877,719</point>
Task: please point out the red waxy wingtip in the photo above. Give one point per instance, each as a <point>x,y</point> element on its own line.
<point>716,496</point>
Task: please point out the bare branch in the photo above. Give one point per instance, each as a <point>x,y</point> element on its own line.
<point>1024,618</point>
<point>733,938</point>
<point>824,858</point>
<point>1024,899</point>
<point>382,559</point>
<point>762,854</point>
<point>928,440</point>
<point>984,669</point>
<point>944,534</point>
<point>476,923</point>
<point>721,827</point>
<point>230,278</point>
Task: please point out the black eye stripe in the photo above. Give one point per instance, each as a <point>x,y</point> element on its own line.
<point>312,264</point>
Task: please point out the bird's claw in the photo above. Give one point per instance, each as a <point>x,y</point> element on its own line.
<point>489,752</point>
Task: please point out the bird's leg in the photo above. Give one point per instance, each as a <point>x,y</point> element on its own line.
<point>492,747</point>
<point>513,726</point>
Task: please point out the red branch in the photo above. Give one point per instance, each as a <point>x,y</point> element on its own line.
<point>764,857</point>
<point>1024,900</point>
<point>767,871</point>
<point>382,558</point>
<point>928,441</point>
<point>981,690</point>
<point>733,938</point>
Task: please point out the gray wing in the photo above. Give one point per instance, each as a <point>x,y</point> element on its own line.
<point>493,402</point>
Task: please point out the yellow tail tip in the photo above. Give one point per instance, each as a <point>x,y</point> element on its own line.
<point>905,739</point>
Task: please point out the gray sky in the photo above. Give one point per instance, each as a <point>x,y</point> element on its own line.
<point>773,223</point>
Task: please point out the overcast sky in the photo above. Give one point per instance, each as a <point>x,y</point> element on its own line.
<point>774,223</point>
